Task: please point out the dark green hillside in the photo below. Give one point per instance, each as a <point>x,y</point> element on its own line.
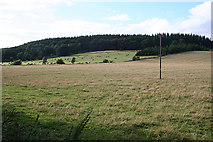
<point>148,45</point>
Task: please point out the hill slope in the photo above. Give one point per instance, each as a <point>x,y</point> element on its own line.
<point>128,100</point>
<point>56,47</point>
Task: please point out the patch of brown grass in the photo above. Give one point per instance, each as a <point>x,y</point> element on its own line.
<point>130,95</point>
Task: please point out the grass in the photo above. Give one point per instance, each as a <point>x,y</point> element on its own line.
<point>129,101</point>
<point>91,58</point>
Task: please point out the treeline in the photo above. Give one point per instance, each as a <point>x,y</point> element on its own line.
<point>146,44</point>
<point>175,47</point>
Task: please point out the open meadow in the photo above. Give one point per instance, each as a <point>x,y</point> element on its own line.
<point>127,100</point>
<point>114,56</point>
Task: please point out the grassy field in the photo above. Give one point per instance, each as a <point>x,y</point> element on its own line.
<point>91,58</point>
<point>127,99</point>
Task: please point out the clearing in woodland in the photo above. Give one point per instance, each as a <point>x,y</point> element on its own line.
<point>127,99</point>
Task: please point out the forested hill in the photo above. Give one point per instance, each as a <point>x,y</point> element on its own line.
<point>147,44</point>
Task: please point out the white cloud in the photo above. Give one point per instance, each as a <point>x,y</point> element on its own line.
<point>155,25</point>
<point>111,10</point>
<point>76,28</point>
<point>27,5</point>
<point>199,21</point>
<point>121,17</point>
<point>202,11</point>
<point>69,3</point>
<point>26,20</point>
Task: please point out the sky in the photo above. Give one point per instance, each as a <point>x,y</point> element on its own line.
<point>23,21</point>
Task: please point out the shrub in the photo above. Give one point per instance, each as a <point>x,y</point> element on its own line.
<point>135,58</point>
<point>105,61</point>
<point>17,62</point>
<point>44,60</point>
<point>73,60</point>
<point>60,61</point>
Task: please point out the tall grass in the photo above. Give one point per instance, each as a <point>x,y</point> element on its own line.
<point>129,100</point>
<point>18,127</point>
